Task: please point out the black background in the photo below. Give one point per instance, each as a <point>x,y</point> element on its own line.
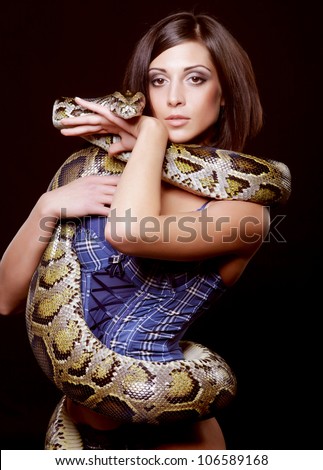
<point>267,327</point>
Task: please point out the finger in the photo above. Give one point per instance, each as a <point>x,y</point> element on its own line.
<point>84,130</point>
<point>105,112</point>
<point>111,180</point>
<point>106,194</point>
<point>117,147</point>
<point>102,209</point>
<point>108,185</point>
<point>92,106</point>
<point>78,126</point>
<point>91,119</point>
<point>106,201</point>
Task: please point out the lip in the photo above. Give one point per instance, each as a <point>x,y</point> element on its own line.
<point>176,117</point>
<point>177,120</point>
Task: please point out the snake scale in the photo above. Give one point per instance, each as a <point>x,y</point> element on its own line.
<point>82,367</point>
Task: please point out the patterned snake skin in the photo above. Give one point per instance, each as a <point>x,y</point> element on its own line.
<point>82,367</point>
<point>205,171</point>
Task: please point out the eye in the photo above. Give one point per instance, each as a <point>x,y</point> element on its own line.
<point>157,81</point>
<point>196,79</point>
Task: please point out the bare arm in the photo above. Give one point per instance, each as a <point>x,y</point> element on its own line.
<point>21,258</point>
<point>138,227</point>
<point>230,230</point>
<point>88,195</point>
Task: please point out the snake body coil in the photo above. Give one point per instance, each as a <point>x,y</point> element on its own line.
<point>82,367</point>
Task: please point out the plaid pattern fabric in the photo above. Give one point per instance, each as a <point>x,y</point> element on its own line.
<point>140,307</point>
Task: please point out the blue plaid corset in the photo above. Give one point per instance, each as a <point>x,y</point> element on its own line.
<point>140,307</point>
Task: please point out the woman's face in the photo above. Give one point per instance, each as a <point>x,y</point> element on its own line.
<point>185,92</point>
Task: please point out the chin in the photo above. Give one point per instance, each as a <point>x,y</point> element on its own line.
<point>180,138</point>
<point>204,138</point>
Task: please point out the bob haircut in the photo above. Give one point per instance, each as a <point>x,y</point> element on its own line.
<point>241,117</point>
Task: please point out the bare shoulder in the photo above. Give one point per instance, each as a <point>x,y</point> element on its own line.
<point>243,227</point>
<point>242,223</point>
<point>240,213</point>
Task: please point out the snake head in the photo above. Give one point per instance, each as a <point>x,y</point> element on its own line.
<point>127,105</point>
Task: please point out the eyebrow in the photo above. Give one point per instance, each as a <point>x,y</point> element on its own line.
<point>185,69</point>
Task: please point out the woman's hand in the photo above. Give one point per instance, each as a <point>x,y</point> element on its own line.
<point>85,196</point>
<point>91,194</point>
<point>103,121</point>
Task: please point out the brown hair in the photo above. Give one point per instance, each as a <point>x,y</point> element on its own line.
<point>241,117</point>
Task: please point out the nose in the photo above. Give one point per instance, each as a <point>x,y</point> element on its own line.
<point>175,95</point>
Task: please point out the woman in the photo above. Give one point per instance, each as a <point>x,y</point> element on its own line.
<point>200,89</point>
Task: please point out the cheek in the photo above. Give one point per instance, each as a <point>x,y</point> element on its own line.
<point>212,108</point>
<point>155,104</point>
<point>216,112</point>
<point>209,113</point>
<point>154,110</point>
